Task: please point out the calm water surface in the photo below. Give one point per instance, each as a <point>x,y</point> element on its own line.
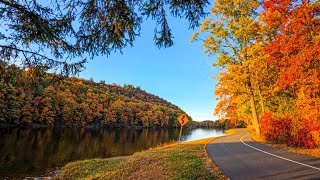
<point>37,152</point>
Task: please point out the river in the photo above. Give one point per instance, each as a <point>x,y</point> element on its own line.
<point>37,152</point>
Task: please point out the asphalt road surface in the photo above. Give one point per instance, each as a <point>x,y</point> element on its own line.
<point>239,157</point>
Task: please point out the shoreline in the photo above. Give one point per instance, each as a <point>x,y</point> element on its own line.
<point>190,153</point>
<point>93,143</point>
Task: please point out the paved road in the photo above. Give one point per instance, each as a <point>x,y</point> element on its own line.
<point>241,158</point>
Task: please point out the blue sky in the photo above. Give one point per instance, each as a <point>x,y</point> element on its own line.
<point>181,74</point>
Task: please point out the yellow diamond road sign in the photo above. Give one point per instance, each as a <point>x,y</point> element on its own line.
<point>183,119</point>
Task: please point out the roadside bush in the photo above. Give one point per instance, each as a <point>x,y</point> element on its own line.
<point>308,135</point>
<point>280,130</point>
<point>275,130</point>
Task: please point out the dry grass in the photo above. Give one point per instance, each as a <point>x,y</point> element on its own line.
<point>230,131</point>
<point>199,142</point>
<point>165,146</point>
<point>187,160</point>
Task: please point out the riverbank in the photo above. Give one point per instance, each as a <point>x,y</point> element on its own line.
<point>186,160</point>
<point>303,151</point>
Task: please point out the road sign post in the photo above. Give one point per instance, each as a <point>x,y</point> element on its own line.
<point>183,119</point>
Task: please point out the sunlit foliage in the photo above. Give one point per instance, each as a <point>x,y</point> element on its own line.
<point>52,100</point>
<point>269,56</point>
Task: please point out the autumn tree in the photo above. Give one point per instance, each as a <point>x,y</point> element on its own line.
<point>9,104</point>
<point>10,97</point>
<point>232,100</point>
<point>27,111</point>
<point>229,35</point>
<point>69,108</point>
<point>295,49</point>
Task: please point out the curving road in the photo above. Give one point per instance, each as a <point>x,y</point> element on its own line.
<point>239,157</point>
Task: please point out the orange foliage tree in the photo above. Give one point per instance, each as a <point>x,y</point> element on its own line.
<point>294,49</point>
<point>270,61</point>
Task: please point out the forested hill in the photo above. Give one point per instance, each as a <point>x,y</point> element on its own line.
<point>35,97</point>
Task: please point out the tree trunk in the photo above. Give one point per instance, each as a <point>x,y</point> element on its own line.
<point>261,101</point>
<point>255,120</point>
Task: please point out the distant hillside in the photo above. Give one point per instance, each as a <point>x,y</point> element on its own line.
<point>206,123</point>
<point>210,124</point>
<point>36,97</point>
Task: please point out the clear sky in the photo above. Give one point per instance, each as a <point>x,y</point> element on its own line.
<point>181,74</point>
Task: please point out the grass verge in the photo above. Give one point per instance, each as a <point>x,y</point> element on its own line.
<point>309,152</point>
<point>230,132</point>
<point>186,160</point>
